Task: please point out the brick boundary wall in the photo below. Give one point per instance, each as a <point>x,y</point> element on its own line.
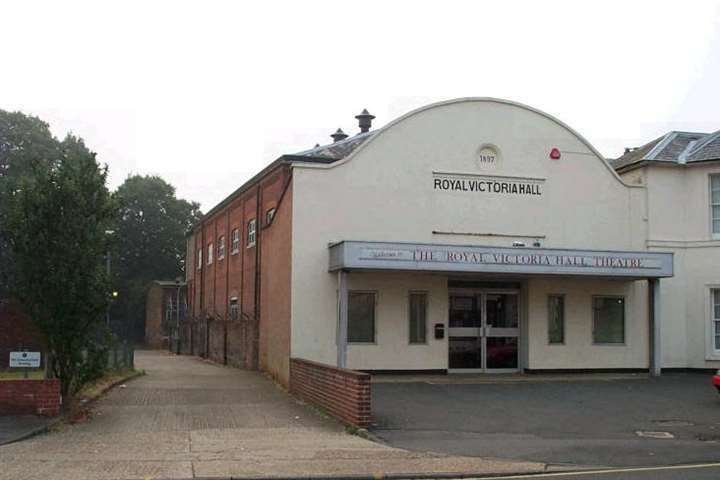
<point>34,397</point>
<point>343,393</point>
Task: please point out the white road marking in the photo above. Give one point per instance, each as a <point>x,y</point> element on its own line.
<point>606,471</point>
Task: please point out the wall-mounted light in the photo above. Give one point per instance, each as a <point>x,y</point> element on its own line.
<point>555,153</point>
<point>517,243</point>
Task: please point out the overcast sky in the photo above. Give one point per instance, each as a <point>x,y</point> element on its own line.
<point>206,93</point>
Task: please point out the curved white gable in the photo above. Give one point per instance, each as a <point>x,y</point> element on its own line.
<point>424,108</point>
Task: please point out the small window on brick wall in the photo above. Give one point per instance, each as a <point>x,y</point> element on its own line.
<point>199,259</point>
<point>269,215</point>
<point>234,308</point>
<point>221,247</point>
<point>251,233</point>
<point>235,248</point>
<point>210,253</point>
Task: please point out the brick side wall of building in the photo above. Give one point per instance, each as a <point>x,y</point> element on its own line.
<point>211,287</point>
<point>275,305</point>
<point>344,394</point>
<point>30,397</point>
<point>17,333</point>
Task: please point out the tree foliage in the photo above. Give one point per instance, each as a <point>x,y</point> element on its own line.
<point>149,245</point>
<point>23,139</point>
<point>57,213</point>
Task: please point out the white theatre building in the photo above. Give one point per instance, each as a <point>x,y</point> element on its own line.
<point>482,235</point>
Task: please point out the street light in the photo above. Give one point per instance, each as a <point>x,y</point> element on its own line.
<point>177,314</point>
<point>108,233</point>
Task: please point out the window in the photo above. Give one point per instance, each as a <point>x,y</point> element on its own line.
<point>269,215</point>
<point>418,317</point>
<point>210,253</point>
<point>234,308</point>
<point>556,319</point>
<point>252,224</point>
<point>608,320</point>
<point>199,259</point>
<point>169,308</point>
<point>715,204</point>
<point>361,317</point>
<point>235,248</point>
<point>715,294</point>
<point>221,247</point>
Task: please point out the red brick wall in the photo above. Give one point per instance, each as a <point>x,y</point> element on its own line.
<point>344,394</point>
<point>275,262</point>
<point>16,333</point>
<point>210,289</point>
<point>34,397</point>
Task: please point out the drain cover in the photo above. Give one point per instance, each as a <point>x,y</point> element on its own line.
<point>662,435</point>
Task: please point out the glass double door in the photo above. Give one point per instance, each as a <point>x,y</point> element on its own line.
<point>484,329</point>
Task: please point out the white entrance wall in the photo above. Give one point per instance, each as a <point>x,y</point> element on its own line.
<point>578,351</point>
<point>392,349</point>
<point>384,192</point>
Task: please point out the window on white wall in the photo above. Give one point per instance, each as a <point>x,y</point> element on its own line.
<point>418,317</point>
<point>556,319</point>
<point>716,319</point>
<point>715,204</point>
<point>608,320</point>
<point>361,317</point>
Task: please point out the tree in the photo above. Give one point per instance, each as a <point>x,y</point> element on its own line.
<point>23,139</point>
<point>149,244</point>
<point>57,214</point>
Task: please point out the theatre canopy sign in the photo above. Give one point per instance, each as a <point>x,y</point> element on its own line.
<point>353,255</point>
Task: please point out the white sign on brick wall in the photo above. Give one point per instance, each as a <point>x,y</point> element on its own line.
<point>24,359</point>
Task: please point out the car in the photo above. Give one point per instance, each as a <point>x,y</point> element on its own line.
<point>716,380</point>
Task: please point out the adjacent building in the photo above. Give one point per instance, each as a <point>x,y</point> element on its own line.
<point>473,235</point>
<point>680,173</point>
<point>165,307</point>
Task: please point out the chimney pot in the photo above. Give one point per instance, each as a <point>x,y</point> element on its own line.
<point>339,135</point>
<point>365,120</point>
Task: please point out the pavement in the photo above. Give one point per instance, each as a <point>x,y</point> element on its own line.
<point>14,428</point>
<point>187,418</point>
<point>590,420</point>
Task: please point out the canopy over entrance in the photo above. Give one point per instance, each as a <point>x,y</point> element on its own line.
<point>357,255</point>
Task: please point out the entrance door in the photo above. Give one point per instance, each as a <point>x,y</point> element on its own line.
<point>484,329</point>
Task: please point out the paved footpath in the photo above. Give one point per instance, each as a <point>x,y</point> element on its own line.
<point>191,419</point>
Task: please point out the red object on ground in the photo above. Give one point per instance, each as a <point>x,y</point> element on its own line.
<point>716,382</point>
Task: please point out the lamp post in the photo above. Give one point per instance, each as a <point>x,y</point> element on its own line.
<point>108,234</point>
<point>177,313</point>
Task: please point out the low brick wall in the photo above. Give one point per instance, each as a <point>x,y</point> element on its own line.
<point>34,397</point>
<point>344,394</point>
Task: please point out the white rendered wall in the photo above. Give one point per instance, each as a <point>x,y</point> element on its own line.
<point>384,192</point>
<point>578,351</point>
<point>679,222</point>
